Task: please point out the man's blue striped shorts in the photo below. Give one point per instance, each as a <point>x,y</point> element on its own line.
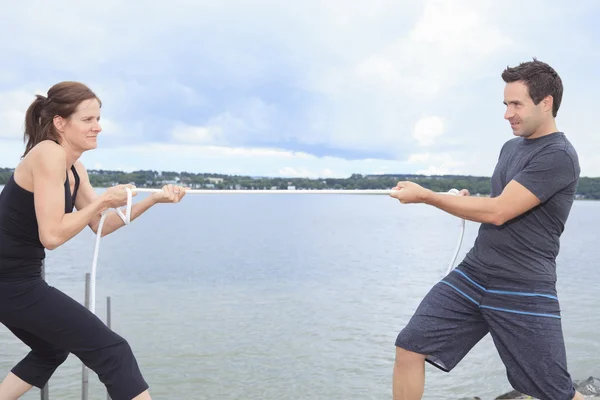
<point>523,318</point>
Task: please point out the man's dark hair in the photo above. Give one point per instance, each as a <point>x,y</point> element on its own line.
<point>541,80</point>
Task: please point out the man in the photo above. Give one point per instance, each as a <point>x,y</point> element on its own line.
<point>506,285</point>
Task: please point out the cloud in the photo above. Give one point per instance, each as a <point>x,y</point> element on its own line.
<point>431,56</point>
<point>437,164</point>
<point>249,124</point>
<point>13,105</point>
<point>196,134</point>
<point>344,80</point>
<point>12,123</point>
<point>295,173</point>
<point>10,152</point>
<point>257,161</point>
<point>427,129</point>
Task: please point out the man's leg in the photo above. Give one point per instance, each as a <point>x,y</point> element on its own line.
<point>445,327</point>
<point>526,328</point>
<point>409,375</point>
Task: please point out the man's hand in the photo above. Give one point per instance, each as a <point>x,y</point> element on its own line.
<point>409,192</point>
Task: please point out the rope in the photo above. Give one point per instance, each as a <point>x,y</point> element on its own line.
<point>460,238</point>
<point>127,219</point>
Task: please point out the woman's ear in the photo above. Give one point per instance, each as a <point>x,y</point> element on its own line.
<point>59,123</point>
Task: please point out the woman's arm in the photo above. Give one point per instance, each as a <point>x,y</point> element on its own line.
<point>48,168</point>
<point>87,195</point>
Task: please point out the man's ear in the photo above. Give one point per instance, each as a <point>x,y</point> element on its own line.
<point>547,103</point>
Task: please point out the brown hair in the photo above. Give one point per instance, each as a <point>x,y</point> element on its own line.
<point>541,80</point>
<point>62,100</point>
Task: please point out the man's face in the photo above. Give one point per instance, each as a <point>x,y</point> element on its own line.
<point>525,117</point>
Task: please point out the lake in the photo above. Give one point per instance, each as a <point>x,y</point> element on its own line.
<point>226,297</point>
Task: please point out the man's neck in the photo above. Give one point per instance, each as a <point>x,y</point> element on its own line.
<point>544,130</point>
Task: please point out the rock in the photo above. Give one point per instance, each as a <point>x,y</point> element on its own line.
<point>513,395</point>
<point>590,388</point>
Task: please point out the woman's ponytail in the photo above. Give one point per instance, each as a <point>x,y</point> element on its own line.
<point>36,129</point>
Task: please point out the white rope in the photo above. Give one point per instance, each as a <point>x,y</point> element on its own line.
<point>277,191</point>
<point>460,238</point>
<point>127,218</point>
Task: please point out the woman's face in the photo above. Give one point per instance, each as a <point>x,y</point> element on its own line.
<point>81,129</point>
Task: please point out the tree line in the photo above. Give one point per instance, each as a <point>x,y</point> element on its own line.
<point>588,188</point>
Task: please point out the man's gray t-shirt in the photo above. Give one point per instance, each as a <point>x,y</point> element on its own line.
<point>526,246</point>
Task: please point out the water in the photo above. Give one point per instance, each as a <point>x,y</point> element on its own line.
<point>293,297</point>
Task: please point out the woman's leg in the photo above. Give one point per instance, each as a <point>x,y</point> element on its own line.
<point>143,396</point>
<point>66,324</point>
<point>35,369</point>
<point>13,387</point>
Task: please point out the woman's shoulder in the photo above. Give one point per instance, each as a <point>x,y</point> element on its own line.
<point>45,147</point>
<point>80,168</point>
<point>44,159</point>
<point>47,150</point>
<point>47,155</point>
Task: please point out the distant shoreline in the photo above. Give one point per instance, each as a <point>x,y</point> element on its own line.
<point>588,188</point>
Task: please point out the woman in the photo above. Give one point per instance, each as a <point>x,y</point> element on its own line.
<point>36,213</point>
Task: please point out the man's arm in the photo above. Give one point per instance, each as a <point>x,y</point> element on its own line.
<point>87,195</point>
<point>514,201</point>
<point>544,176</point>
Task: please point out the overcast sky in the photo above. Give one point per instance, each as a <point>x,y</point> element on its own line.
<point>304,88</point>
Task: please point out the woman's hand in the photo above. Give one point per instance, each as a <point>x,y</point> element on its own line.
<point>116,196</point>
<point>169,194</point>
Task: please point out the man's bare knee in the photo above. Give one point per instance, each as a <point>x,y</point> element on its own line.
<point>407,358</point>
<point>578,396</point>
<point>409,375</point>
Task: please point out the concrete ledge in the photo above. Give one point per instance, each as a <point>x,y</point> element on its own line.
<point>589,388</point>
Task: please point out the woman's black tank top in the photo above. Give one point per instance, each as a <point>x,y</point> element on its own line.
<point>21,251</point>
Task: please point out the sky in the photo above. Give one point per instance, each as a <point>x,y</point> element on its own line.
<point>299,89</point>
